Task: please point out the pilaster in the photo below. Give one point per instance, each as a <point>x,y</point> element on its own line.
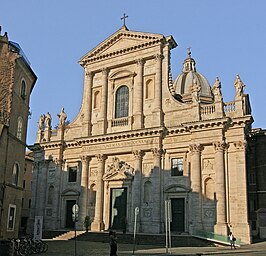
<point>138,96</point>
<point>157,113</point>
<point>83,200</point>
<point>97,224</point>
<point>195,173</point>
<point>136,186</point>
<point>102,121</point>
<point>221,219</point>
<point>87,103</point>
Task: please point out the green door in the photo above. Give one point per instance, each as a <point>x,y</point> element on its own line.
<point>178,215</point>
<point>118,209</point>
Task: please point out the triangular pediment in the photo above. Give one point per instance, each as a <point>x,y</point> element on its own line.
<point>120,42</point>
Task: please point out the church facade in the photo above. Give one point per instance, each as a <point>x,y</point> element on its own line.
<point>142,138</point>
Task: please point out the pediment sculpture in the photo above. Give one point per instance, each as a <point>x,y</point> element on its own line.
<point>118,170</point>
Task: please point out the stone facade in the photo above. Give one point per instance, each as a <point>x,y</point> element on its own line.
<point>16,83</point>
<point>141,138</point>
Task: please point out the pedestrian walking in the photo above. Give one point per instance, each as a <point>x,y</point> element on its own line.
<point>113,243</point>
<point>232,240</point>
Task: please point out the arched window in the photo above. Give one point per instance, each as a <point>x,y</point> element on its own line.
<point>19,128</point>
<point>15,174</point>
<point>121,102</point>
<point>147,192</point>
<point>23,90</point>
<point>96,99</point>
<point>209,188</point>
<point>50,195</point>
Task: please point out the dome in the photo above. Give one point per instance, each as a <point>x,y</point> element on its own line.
<point>189,77</point>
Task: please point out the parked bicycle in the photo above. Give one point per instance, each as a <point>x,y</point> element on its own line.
<point>27,246</point>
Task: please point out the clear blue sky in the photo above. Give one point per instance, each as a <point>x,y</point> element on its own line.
<point>227,37</point>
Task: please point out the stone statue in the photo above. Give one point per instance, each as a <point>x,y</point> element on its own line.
<point>216,90</point>
<point>41,123</point>
<point>239,85</point>
<point>48,120</point>
<point>195,91</point>
<point>62,117</point>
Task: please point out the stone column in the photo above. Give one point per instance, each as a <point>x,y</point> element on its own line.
<point>136,187</point>
<point>156,184</point>
<point>138,96</point>
<point>158,91</point>
<point>196,195</point>
<point>221,225</point>
<point>97,224</point>
<point>87,103</point>
<point>83,200</point>
<point>103,112</point>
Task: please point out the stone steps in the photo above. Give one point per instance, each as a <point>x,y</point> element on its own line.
<point>146,239</point>
<point>68,235</point>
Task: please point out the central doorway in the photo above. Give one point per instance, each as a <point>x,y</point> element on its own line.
<point>118,209</point>
<point>178,214</point>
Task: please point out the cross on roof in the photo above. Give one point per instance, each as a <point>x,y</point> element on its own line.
<point>124,18</point>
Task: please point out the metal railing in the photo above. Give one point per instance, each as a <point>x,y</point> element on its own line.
<point>215,237</point>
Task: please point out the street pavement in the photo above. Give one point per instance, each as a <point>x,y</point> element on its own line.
<point>86,248</point>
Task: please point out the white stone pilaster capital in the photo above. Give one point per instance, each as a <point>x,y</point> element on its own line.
<point>158,57</point>
<point>240,145</point>
<point>85,158</point>
<point>157,152</point>
<point>140,62</point>
<point>195,148</point>
<point>89,74</point>
<point>138,154</point>
<point>219,146</point>
<point>101,158</point>
<point>105,71</point>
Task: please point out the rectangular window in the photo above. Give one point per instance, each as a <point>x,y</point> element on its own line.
<point>72,174</point>
<point>177,167</point>
<point>11,217</point>
<point>29,203</point>
<point>24,183</point>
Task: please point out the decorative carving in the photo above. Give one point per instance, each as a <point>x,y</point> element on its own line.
<point>157,152</point>
<point>93,172</point>
<point>219,145</point>
<point>158,57</point>
<point>147,169</point>
<point>89,74</point>
<point>195,148</point>
<point>140,61</point>
<point>216,90</point>
<point>240,144</point>
<point>239,86</point>
<point>119,166</point>
<point>105,71</point>
<point>138,154</point>
<point>147,213</point>
<point>101,157</point>
<point>208,213</point>
<point>208,164</point>
<point>85,158</point>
